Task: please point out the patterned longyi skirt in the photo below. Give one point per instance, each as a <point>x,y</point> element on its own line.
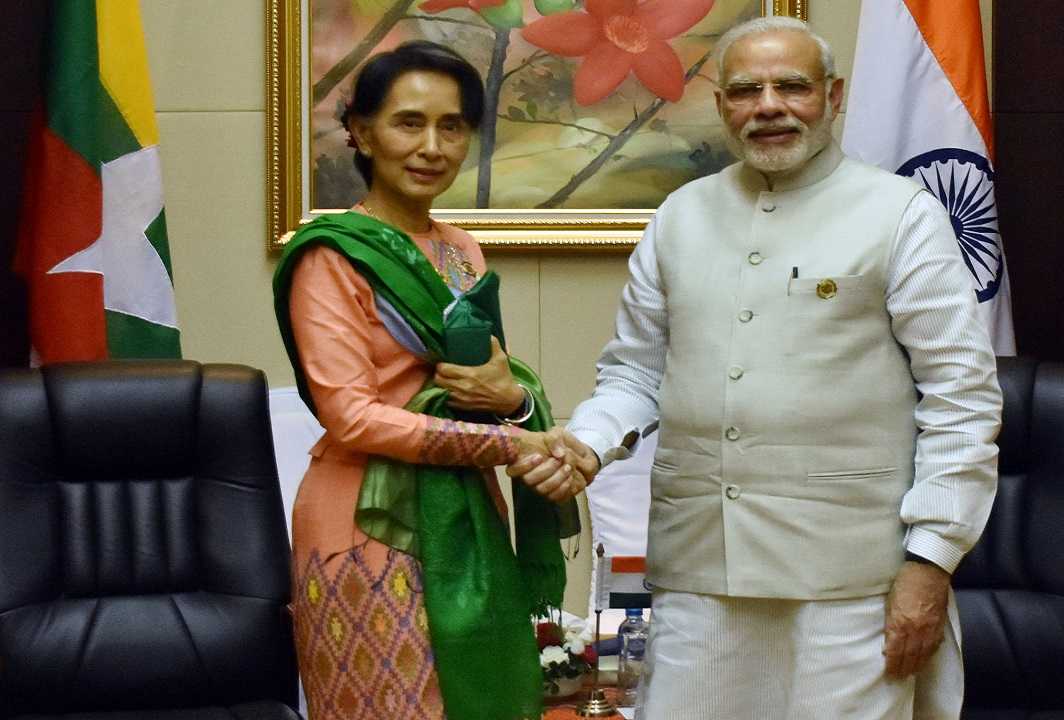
<point>362,637</point>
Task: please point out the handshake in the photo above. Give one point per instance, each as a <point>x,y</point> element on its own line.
<point>554,463</point>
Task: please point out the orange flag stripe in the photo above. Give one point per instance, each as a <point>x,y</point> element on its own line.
<point>953,31</point>
<point>628,564</point>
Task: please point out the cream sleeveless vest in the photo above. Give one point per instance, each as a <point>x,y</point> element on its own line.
<point>787,431</point>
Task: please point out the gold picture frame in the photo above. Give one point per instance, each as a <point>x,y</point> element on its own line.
<point>288,88</point>
<point>794,8</point>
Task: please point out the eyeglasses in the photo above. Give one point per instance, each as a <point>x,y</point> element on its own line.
<point>791,90</point>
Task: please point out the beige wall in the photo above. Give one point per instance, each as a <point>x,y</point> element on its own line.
<point>207,68</point>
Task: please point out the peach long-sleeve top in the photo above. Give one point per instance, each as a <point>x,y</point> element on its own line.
<point>360,378</point>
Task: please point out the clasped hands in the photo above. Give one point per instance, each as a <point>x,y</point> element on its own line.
<point>554,463</point>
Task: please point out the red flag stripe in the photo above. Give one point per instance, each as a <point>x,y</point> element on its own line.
<point>628,564</point>
<point>61,215</point>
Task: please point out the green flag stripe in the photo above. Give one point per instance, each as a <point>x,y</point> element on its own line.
<point>132,337</point>
<point>156,233</point>
<point>79,108</point>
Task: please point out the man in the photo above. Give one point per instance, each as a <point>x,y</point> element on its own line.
<point>804,328</point>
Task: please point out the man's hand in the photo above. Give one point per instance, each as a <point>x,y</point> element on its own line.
<point>561,470</point>
<point>916,617</point>
<point>489,387</point>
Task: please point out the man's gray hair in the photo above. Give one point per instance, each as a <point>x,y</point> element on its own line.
<point>775,23</point>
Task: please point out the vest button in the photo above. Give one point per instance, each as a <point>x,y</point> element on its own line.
<point>732,433</point>
<point>735,372</point>
<point>754,258</point>
<point>768,207</point>
<point>733,492</point>
<point>746,316</point>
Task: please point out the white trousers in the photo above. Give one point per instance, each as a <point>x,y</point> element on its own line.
<point>711,657</point>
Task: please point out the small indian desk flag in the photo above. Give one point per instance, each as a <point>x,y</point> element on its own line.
<point>918,107</point>
<point>621,582</point>
<point>92,243</point>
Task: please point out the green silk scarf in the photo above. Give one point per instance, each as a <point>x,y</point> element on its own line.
<point>478,594</point>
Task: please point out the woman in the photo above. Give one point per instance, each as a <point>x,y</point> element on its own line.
<point>351,294</point>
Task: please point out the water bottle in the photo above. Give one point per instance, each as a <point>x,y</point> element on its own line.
<point>633,634</point>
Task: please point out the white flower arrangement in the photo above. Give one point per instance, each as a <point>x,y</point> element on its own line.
<point>562,654</point>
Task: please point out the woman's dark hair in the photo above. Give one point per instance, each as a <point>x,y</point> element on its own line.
<point>378,75</point>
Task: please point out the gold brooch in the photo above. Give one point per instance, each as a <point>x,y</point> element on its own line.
<point>826,289</point>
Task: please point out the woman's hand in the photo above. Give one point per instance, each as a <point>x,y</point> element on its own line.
<point>555,464</point>
<point>489,387</point>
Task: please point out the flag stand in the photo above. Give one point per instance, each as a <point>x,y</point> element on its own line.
<point>597,706</point>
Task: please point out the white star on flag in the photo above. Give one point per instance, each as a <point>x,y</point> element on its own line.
<point>135,281</point>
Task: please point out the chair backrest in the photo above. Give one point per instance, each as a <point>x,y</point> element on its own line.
<point>143,556</point>
<point>1010,588</point>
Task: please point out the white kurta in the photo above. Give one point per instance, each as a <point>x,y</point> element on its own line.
<point>713,656</point>
<point>633,364</point>
<point>721,658</point>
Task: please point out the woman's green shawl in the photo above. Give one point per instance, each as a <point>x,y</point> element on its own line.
<point>478,594</point>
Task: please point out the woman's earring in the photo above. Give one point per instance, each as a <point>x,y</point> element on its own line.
<point>352,142</point>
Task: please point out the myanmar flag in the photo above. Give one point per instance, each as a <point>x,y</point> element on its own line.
<point>92,244</point>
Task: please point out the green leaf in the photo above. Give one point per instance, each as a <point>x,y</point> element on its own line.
<point>515,113</point>
<point>533,109</point>
<point>506,16</point>
<point>549,7</point>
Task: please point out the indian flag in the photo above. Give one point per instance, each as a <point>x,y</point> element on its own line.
<point>918,107</point>
<point>621,582</point>
<point>92,244</point>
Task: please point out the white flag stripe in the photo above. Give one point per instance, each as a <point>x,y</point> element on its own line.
<point>904,115</point>
<point>893,64</point>
<point>619,588</point>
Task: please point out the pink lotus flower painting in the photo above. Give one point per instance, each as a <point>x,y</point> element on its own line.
<point>590,104</point>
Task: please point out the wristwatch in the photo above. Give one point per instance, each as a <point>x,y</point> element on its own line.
<point>913,557</point>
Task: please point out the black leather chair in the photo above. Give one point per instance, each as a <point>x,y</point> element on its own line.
<point>1010,588</point>
<point>144,564</point>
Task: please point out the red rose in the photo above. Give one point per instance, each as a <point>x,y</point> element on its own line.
<point>590,655</point>
<point>548,633</point>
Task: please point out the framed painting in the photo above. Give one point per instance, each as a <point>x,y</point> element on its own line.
<point>564,160</point>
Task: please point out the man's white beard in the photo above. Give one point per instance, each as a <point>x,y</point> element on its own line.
<point>811,139</point>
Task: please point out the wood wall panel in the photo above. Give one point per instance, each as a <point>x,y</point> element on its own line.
<point>21,32</point>
<point>1029,138</point>
<point>1028,42</point>
<point>1030,190</point>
